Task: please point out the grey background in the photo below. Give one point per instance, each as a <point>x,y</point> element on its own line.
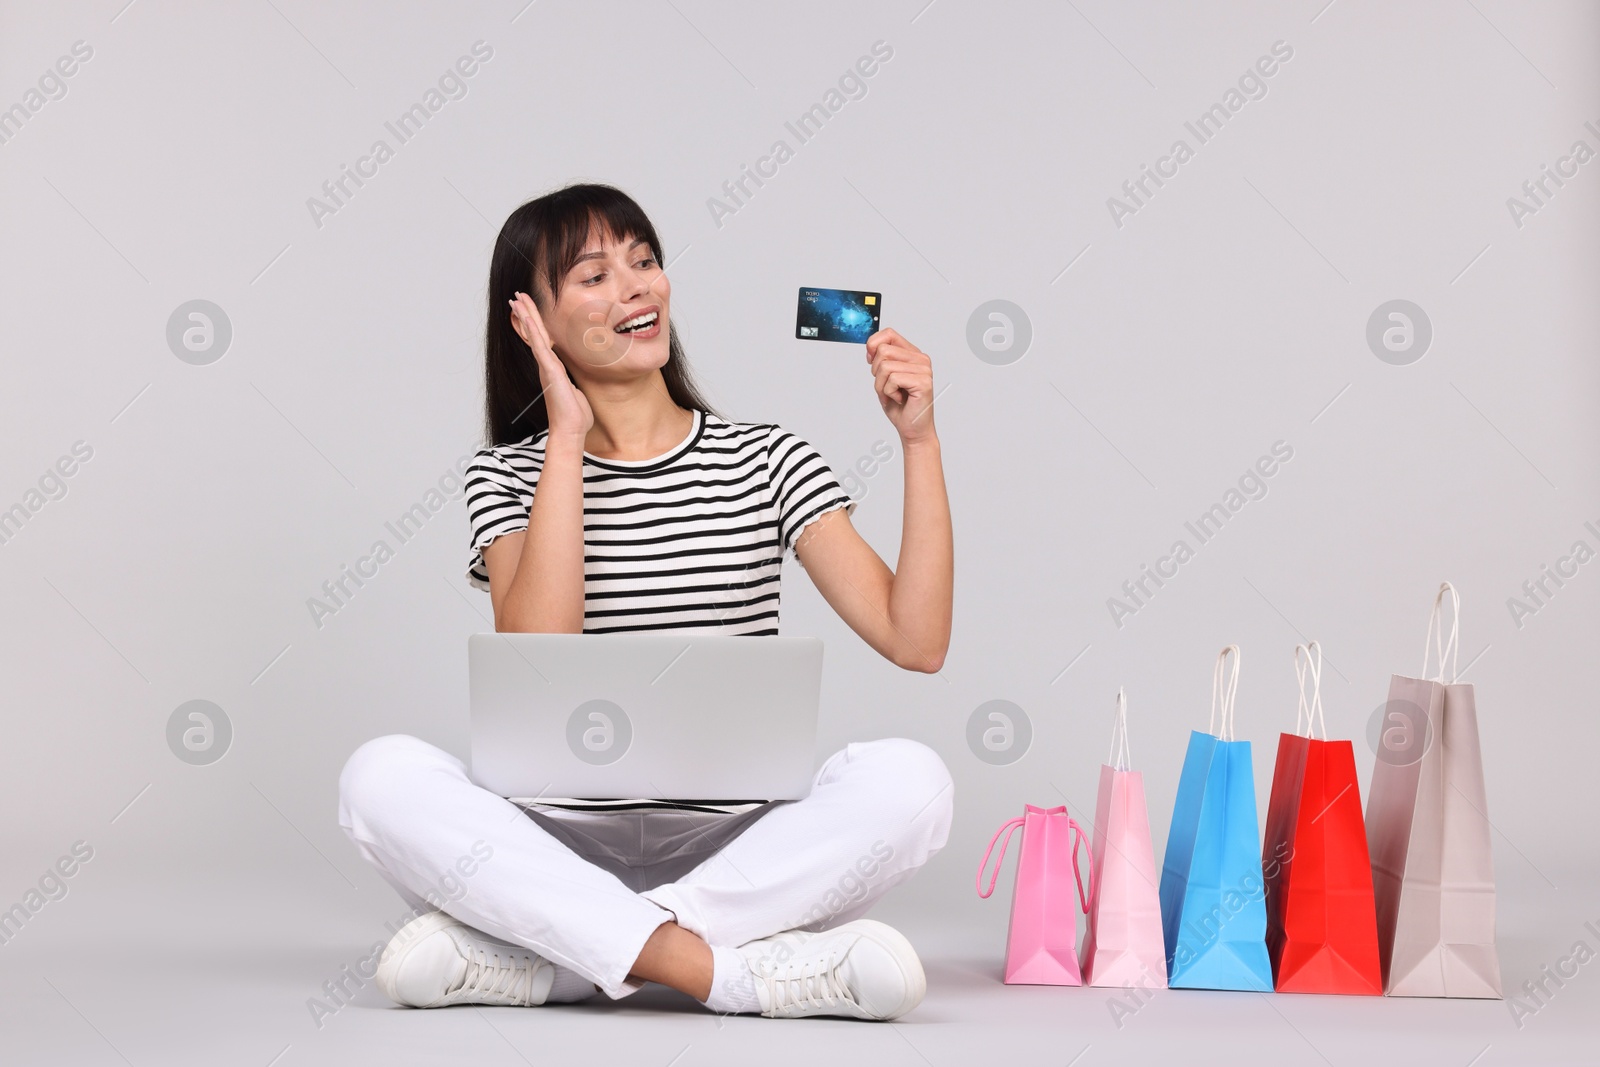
<point>1227,314</point>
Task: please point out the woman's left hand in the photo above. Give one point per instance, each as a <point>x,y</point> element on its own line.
<point>903,375</point>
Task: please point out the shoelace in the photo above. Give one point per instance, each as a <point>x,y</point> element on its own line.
<point>511,981</point>
<point>817,984</point>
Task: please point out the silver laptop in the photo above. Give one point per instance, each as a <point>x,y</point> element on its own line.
<point>673,717</point>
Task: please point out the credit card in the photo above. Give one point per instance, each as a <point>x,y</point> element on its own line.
<point>837,315</point>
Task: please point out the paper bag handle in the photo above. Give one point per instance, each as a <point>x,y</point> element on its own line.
<point>1309,712</point>
<point>1010,827</point>
<point>1080,838</point>
<point>1436,643</point>
<point>1007,828</point>
<point>1224,694</point>
<point>1120,757</point>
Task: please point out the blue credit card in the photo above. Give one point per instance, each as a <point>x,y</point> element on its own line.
<point>837,315</point>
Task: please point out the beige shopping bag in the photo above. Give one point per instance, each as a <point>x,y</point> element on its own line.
<point>1428,832</point>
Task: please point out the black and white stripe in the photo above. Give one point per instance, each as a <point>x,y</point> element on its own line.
<point>693,539</point>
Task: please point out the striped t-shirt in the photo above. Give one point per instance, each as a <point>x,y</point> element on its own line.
<point>693,539</point>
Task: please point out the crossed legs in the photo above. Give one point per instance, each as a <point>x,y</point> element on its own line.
<point>878,810</point>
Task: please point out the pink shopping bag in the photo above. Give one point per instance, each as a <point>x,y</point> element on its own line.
<point>1123,946</point>
<point>1041,943</point>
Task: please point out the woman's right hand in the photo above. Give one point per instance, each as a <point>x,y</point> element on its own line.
<point>569,411</point>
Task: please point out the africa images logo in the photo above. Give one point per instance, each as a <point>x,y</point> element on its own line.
<point>599,732</point>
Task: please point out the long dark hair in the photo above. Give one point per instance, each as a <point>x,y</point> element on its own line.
<point>538,244</point>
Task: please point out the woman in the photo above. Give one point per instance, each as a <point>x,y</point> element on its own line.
<point>612,498</point>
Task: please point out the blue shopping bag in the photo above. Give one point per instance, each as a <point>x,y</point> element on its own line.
<point>1213,902</point>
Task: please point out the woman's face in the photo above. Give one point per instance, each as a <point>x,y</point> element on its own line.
<point>610,311</point>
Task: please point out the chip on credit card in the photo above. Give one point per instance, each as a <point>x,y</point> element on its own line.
<point>837,315</point>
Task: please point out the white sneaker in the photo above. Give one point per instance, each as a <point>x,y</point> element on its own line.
<point>435,961</point>
<point>862,970</point>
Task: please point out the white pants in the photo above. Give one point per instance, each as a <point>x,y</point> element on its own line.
<point>586,890</point>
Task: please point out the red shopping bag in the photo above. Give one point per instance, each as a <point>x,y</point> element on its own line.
<point>1322,926</point>
<point>1041,943</point>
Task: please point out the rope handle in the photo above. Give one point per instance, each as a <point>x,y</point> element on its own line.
<point>1007,829</point>
<point>1224,694</point>
<point>1309,713</point>
<point>1080,838</point>
<point>1436,643</point>
<point>1010,827</point>
<point>1120,757</point>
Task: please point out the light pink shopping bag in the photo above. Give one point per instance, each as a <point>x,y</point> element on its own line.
<point>1041,943</point>
<point>1123,945</point>
<point>1428,832</point>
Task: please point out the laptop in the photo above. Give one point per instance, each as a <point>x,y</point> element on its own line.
<point>663,716</point>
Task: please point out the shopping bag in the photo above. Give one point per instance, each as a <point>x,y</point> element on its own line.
<point>1042,939</point>
<point>1212,911</point>
<point>1322,931</point>
<point>1428,831</point>
<point>1123,944</point>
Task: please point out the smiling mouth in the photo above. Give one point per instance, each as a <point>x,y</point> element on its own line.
<point>638,322</point>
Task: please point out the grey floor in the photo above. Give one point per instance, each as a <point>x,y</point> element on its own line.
<point>184,970</point>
